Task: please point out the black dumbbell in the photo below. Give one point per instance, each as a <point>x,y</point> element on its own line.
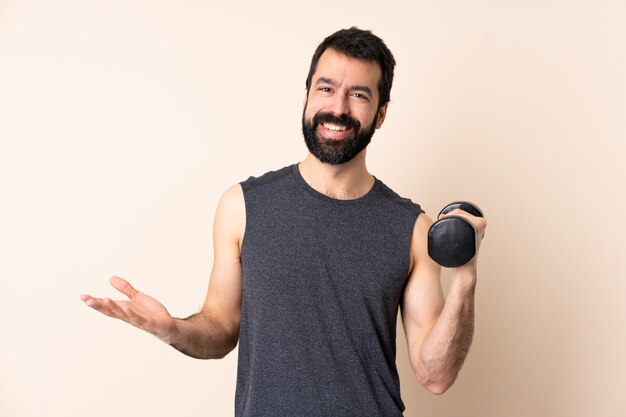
<point>452,240</point>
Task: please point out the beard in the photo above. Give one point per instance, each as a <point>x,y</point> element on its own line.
<point>333,151</point>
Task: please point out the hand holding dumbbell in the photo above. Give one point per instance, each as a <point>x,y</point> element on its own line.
<point>453,240</point>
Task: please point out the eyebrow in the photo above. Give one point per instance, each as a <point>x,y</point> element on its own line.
<point>324,80</point>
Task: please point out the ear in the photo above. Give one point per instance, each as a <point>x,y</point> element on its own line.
<point>380,117</point>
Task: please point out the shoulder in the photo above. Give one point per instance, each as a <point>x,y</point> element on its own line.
<point>422,224</point>
<point>266,179</point>
<point>397,201</point>
<point>419,239</point>
<point>230,217</point>
<point>232,198</point>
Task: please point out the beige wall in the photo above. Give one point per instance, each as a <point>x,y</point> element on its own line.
<point>121,123</point>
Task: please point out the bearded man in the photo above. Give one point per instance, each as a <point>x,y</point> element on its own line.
<point>313,262</point>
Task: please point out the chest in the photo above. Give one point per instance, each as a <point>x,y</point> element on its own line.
<point>307,251</point>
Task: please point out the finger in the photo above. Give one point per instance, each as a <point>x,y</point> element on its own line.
<point>124,287</point>
<point>88,299</point>
<point>455,212</point>
<point>97,304</point>
<point>478,223</point>
<point>475,220</point>
<point>458,212</point>
<point>115,309</point>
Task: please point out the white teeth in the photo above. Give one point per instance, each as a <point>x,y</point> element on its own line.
<point>334,127</point>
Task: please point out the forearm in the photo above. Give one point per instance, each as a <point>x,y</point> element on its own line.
<point>446,346</point>
<point>203,336</point>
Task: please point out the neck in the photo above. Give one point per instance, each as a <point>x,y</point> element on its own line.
<point>346,181</point>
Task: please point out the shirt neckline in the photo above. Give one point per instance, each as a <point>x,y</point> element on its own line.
<point>299,179</point>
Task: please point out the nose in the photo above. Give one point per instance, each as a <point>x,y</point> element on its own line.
<point>340,105</point>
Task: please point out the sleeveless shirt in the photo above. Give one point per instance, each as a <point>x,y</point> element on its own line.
<point>322,282</point>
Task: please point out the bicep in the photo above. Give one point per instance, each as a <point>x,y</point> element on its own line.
<point>423,295</point>
<point>224,293</point>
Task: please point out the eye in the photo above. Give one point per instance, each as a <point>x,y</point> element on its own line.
<point>324,89</point>
<point>360,96</point>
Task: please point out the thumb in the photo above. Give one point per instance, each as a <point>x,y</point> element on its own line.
<point>124,287</point>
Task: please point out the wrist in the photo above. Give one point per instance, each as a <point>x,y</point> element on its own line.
<point>173,334</point>
<point>465,276</point>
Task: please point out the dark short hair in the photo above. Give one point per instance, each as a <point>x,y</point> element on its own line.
<point>360,44</point>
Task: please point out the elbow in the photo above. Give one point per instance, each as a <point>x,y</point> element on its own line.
<point>436,376</point>
<point>225,352</point>
<point>438,386</point>
<point>229,345</point>
<point>220,346</point>
<point>217,353</point>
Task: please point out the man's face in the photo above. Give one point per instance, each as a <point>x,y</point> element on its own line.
<point>340,113</point>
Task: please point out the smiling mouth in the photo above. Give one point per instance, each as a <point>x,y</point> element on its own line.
<point>335,127</point>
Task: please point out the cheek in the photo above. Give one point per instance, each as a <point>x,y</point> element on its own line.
<point>368,119</point>
<point>311,108</point>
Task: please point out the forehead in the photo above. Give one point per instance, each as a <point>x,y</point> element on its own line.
<point>347,71</point>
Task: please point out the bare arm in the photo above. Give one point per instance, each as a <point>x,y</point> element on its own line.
<point>214,331</point>
<point>439,330</point>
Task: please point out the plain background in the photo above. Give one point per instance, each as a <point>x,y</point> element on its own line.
<point>122,122</point>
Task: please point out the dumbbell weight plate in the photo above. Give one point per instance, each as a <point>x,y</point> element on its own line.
<point>452,240</point>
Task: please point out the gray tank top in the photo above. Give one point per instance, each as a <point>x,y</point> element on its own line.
<point>322,282</point>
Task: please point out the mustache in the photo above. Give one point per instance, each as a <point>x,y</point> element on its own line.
<point>344,120</point>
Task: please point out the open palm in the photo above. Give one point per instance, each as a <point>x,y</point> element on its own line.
<point>140,310</point>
